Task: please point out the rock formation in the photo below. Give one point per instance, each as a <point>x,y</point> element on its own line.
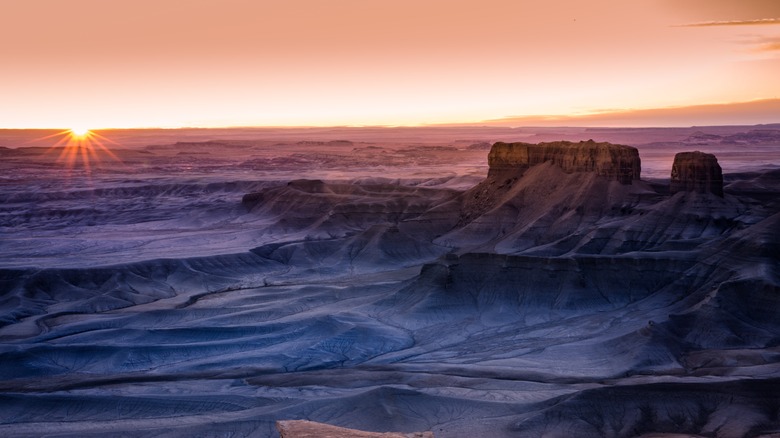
<point>615,162</point>
<point>523,171</point>
<point>311,429</point>
<point>696,172</point>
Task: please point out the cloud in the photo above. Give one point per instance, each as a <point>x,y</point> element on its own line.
<point>756,22</point>
<point>769,47</point>
<point>738,113</point>
<point>768,44</point>
<point>760,44</point>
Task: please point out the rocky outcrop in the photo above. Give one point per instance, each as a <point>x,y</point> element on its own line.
<point>612,161</point>
<point>696,172</point>
<point>311,429</point>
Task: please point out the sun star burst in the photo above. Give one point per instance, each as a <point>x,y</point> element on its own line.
<point>80,146</point>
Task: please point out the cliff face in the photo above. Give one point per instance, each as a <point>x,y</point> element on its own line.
<point>615,162</point>
<point>696,172</point>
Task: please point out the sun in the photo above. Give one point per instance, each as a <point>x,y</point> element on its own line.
<point>79,132</point>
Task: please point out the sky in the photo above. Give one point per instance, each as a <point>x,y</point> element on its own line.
<point>196,63</point>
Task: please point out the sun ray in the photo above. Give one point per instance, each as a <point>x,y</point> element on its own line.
<point>93,153</point>
<point>59,143</point>
<point>103,147</point>
<point>85,159</point>
<point>56,134</point>
<point>95,134</point>
<point>67,151</point>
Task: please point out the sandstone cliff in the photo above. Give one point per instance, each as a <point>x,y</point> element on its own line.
<point>696,172</point>
<point>615,162</point>
<point>311,429</point>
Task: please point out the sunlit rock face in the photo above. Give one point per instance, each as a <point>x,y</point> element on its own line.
<point>312,429</point>
<point>696,172</point>
<point>612,161</point>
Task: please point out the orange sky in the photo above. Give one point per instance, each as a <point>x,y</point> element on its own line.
<point>172,63</point>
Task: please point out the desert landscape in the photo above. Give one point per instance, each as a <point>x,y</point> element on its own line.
<point>390,219</point>
<point>467,281</point>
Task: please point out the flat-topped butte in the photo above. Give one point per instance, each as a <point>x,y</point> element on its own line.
<point>612,161</point>
<point>696,172</point>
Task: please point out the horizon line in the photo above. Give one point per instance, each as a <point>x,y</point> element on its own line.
<point>728,113</point>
